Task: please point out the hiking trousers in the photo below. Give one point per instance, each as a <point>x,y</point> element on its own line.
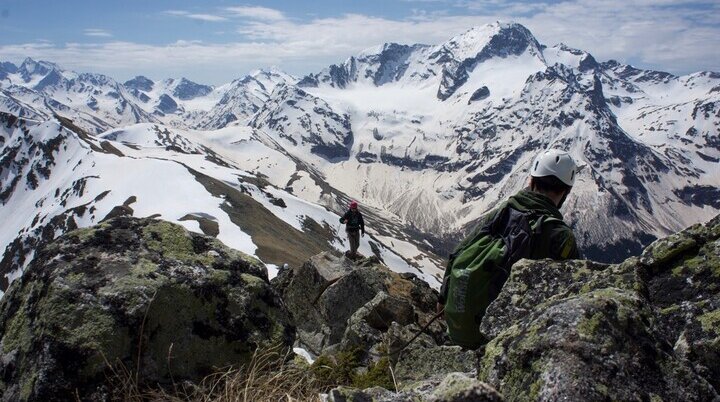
<point>354,237</point>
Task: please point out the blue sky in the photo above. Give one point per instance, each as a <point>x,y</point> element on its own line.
<point>216,41</point>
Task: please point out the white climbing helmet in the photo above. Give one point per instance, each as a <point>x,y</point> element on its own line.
<point>554,162</point>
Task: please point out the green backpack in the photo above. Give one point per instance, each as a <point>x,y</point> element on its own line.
<point>478,271</point>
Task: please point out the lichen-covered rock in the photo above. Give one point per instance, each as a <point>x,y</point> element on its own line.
<point>337,302</point>
<point>142,294</point>
<point>684,285</point>
<point>365,328</point>
<point>453,387</point>
<point>347,394</point>
<point>457,387</point>
<point>417,363</point>
<point>645,329</point>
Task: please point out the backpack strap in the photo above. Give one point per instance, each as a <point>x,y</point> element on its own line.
<point>544,219</point>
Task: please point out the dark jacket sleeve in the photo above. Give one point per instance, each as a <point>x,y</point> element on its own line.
<point>568,249</point>
<point>344,218</point>
<point>362,223</point>
<point>563,245</point>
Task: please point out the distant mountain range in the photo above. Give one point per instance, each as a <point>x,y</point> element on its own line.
<point>426,137</point>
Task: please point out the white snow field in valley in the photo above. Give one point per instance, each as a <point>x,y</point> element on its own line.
<point>426,137</point>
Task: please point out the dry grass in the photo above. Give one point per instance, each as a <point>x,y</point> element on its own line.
<point>268,377</point>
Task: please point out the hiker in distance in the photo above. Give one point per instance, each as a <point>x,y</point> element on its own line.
<point>527,225</point>
<point>354,227</point>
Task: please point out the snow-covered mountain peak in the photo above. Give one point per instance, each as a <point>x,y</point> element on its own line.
<point>243,97</point>
<point>497,39</point>
<point>272,71</point>
<point>32,67</point>
<point>271,77</point>
<point>184,89</point>
<point>140,82</point>
<point>569,56</point>
<point>461,55</point>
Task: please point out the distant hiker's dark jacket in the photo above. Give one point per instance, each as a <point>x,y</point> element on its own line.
<point>556,241</point>
<point>353,221</point>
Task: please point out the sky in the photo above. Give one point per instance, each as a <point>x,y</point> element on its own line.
<point>216,41</point>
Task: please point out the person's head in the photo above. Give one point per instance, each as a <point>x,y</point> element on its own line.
<point>354,205</point>
<point>553,174</point>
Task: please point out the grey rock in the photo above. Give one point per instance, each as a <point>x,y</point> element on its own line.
<point>167,104</point>
<point>330,293</point>
<point>132,289</point>
<point>576,330</point>
<point>457,387</point>
<point>367,325</point>
<point>347,394</point>
<point>418,363</point>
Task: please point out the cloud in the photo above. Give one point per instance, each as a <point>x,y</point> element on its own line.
<point>298,47</point>
<point>206,17</point>
<point>256,13</point>
<point>516,8</point>
<point>200,17</point>
<point>678,37</point>
<point>97,33</point>
<point>176,12</point>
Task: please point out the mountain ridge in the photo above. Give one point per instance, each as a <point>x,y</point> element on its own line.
<point>432,136</point>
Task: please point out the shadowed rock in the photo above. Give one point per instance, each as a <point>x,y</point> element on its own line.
<point>335,301</point>
<point>182,303</point>
<point>577,330</point>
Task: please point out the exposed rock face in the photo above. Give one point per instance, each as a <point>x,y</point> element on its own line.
<point>645,329</point>
<point>423,363</point>
<point>130,288</point>
<point>166,104</point>
<point>455,387</point>
<point>315,125</point>
<point>578,330</point>
<point>339,305</point>
<point>336,302</point>
<point>684,286</point>
<point>140,82</point>
<point>187,89</point>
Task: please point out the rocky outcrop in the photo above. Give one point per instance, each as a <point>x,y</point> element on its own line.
<point>341,307</point>
<point>455,387</point>
<point>337,303</point>
<point>140,295</point>
<point>643,329</point>
<point>171,305</point>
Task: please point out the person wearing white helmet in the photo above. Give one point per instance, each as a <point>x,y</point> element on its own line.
<point>535,211</point>
<point>552,176</point>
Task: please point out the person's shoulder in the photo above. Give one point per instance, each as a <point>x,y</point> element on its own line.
<point>562,239</point>
<point>558,228</point>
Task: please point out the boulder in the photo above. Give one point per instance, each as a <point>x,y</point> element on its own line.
<point>339,303</point>
<point>417,363</point>
<point>140,296</point>
<point>457,387</point>
<point>454,387</point>
<point>367,325</point>
<point>643,329</point>
<point>683,273</point>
